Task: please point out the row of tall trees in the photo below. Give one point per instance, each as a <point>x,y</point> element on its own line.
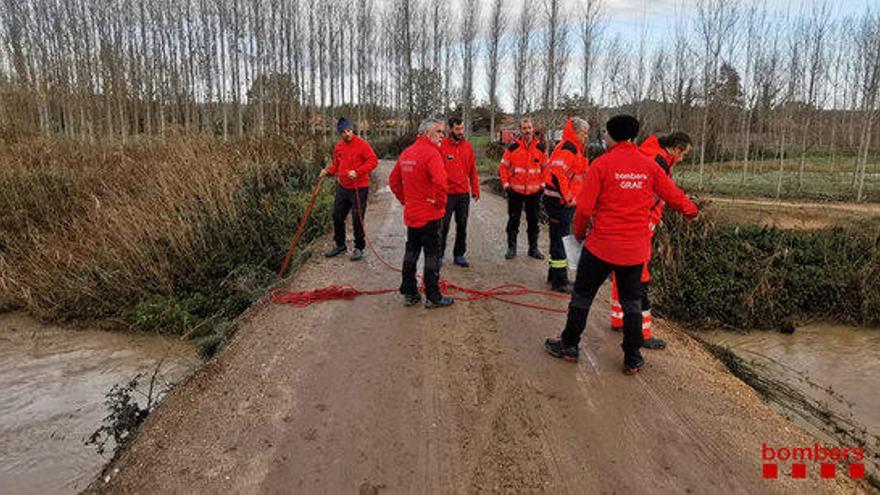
<point>748,81</point>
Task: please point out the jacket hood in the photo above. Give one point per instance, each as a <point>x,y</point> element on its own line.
<point>569,135</point>
<point>651,147</point>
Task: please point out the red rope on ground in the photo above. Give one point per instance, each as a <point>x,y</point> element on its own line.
<point>302,299</point>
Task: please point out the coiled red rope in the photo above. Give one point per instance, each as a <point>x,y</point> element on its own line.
<point>301,299</point>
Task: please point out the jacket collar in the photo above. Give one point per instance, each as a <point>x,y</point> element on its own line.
<point>423,140</point>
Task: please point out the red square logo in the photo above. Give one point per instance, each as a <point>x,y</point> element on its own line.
<point>798,471</point>
<point>856,471</point>
<point>828,471</point>
<point>770,471</point>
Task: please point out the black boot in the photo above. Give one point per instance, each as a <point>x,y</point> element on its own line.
<point>336,251</point>
<point>534,253</point>
<point>511,253</point>
<point>556,348</point>
<point>654,343</point>
<point>442,303</point>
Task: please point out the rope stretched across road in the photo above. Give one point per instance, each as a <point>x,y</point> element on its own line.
<point>305,298</point>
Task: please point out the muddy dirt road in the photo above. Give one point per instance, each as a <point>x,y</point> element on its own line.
<point>369,395</point>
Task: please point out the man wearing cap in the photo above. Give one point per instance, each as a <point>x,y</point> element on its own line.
<point>353,160</point>
<point>617,196</point>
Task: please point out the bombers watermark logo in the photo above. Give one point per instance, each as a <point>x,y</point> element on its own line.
<point>804,460</point>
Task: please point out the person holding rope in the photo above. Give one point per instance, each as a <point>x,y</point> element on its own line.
<point>353,160</point>
<point>617,196</point>
<point>419,182</point>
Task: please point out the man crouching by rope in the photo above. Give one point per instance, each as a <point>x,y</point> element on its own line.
<point>617,196</point>
<point>419,182</point>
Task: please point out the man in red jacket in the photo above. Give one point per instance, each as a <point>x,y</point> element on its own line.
<point>666,151</point>
<point>353,160</point>
<point>419,182</point>
<point>522,176</point>
<point>617,196</point>
<point>461,172</point>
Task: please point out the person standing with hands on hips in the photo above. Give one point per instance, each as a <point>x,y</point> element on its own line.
<point>463,183</point>
<point>618,194</point>
<point>353,160</point>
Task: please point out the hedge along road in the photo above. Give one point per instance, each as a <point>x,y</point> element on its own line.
<point>370,395</point>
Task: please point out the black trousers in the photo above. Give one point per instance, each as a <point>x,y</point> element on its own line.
<point>457,205</point>
<point>591,274</point>
<point>515,204</point>
<point>425,238</point>
<point>560,226</point>
<point>347,201</point>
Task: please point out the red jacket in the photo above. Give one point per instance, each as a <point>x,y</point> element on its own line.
<point>461,166</point>
<point>522,167</point>
<point>354,155</point>
<point>617,195</point>
<point>419,182</point>
<point>651,148</point>
<point>564,175</point>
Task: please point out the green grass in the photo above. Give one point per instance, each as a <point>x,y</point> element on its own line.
<point>709,274</point>
<point>822,180</point>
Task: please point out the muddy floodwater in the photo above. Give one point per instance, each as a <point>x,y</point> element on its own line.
<point>827,376</point>
<point>52,386</point>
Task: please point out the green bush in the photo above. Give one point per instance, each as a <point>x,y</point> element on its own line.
<point>759,277</point>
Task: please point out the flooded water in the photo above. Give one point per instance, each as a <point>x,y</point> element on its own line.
<point>827,376</point>
<point>52,386</point>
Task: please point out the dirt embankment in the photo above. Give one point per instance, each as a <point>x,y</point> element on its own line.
<point>369,395</point>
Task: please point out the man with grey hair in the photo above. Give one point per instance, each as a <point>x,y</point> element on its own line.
<point>562,183</point>
<point>419,182</point>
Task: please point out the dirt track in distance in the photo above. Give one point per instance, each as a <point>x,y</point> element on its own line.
<point>371,396</point>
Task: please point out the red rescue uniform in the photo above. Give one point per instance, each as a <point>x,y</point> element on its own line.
<point>624,181</point>
<point>461,166</point>
<point>652,149</point>
<point>419,182</point>
<point>522,167</point>
<point>355,155</point>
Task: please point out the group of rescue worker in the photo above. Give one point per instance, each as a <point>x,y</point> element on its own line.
<point>611,206</point>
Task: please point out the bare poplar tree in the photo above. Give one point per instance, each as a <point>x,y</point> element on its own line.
<point>497,28</point>
<point>522,62</point>
<point>470,26</point>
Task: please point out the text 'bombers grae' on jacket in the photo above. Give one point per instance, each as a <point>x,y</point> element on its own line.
<point>419,182</point>
<point>522,167</point>
<point>461,166</point>
<point>565,170</point>
<point>618,193</point>
<point>355,155</point>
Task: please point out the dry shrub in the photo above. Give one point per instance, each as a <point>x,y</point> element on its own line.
<point>92,230</point>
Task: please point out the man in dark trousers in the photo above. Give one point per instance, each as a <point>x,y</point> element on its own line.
<point>353,160</point>
<point>522,176</point>
<point>666,151</point>
<point>562,183</point>
<point>463,183</point>
<point>617,196</point>
<point>419,182</point>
